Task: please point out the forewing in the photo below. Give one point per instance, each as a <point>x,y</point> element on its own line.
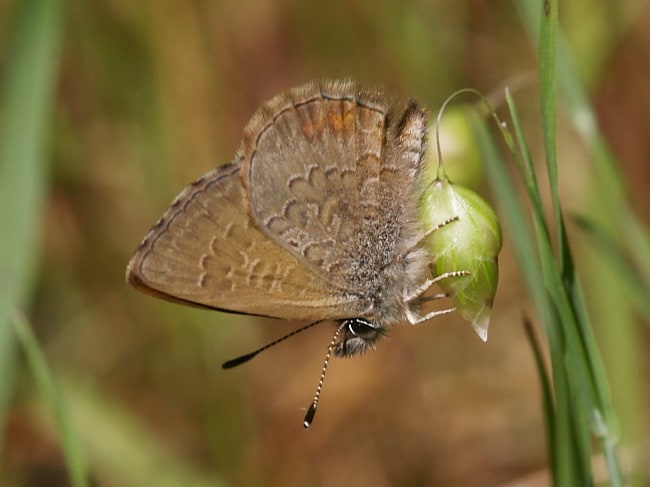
<point>206,251</point>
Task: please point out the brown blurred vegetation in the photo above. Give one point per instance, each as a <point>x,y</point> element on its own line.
<point>154,94</point>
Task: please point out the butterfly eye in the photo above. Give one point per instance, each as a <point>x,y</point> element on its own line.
<point>362,329</point>
<point>360,336</point>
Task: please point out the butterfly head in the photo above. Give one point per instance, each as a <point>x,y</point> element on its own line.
<point>359,336</point>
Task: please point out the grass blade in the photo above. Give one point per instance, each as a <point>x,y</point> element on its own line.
<point>122,450</point>
<point>620,260</point>
<point>548,402</point>
<point>27,98</point>
<point>590,406</point>
<point>548,88</point>
<point>70,444</point>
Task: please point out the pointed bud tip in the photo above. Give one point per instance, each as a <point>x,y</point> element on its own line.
<point>481,327</point>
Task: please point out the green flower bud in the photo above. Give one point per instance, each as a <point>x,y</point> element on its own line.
<point>470,243</point>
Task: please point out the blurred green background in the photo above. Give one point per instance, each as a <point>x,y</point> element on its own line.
<point>147,96</point>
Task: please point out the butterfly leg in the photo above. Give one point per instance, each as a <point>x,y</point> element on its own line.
<point>424,287</point>
<point>417,240</point>
<point>440,225</point>
<point>409,296</point>
<point>433,297</point>
<point>415,318</point>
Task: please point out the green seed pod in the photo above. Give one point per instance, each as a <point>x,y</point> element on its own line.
<point>470,243</point>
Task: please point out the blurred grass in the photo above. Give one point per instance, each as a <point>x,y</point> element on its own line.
<point>70,444</point>
<point>26,102</point>
<point>578,403</point>
<point>122,452</point>
<point>613,211</point>
<point>579,412</point>
<point>120,449</point>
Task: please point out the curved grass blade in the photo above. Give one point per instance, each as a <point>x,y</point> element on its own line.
<point>72,450</point>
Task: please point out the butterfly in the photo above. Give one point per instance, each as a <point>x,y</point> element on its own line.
<point>315,219</point>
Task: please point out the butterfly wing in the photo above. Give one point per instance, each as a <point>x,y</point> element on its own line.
<point>207,251</point>
<point>330,173</point>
